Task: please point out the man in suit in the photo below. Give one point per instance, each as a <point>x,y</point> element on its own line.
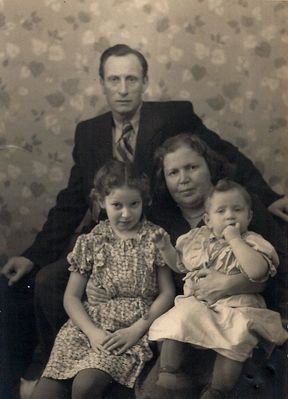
<point>40,274</point>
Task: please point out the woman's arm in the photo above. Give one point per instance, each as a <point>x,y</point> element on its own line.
<point>123,339</point>
<point>75,309</point>
<point>213,285</point>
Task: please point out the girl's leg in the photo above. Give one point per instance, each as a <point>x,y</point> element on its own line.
<point>90,384</point>
<point>225,375</point>
<point>171,360</point>
<point>48,388</point>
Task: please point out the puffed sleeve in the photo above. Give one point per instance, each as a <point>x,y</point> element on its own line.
<point>180,244</point>
<point>159,261</point>
<point>264,247</point>
<point>191,249</point>
<point>81,259</point>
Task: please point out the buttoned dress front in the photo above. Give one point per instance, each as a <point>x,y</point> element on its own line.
<point>127,270</point>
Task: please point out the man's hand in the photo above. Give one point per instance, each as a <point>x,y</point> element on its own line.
<point>96,294</point>
<point>161,239</point>
<point>232,231</point>
<point>16,268</point>
<point>280,208</point>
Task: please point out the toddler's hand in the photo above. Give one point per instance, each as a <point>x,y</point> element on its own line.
<point>160,238</point>
<point>232,231</point>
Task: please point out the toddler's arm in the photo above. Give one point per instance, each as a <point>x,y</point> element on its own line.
<point>168,252</point>
<point>252,262</point>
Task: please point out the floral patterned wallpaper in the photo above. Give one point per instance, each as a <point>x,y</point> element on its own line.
<point>229,57</point>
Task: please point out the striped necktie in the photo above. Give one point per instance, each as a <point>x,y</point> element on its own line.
<point>124,147</point>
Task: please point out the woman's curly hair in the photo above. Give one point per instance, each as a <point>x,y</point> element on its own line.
<point>218,166</point>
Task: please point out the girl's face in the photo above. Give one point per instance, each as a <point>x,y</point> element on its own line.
<point>228,208</point>
<point>187,177</point>
<point>124,209</point>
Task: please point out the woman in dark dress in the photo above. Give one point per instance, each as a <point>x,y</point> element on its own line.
<point>181,188</point>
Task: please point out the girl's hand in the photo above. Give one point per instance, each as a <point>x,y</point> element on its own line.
<point>95,294</point>
<point>161,239</point>
<point>232,231</point>
<point>121,340</point>
<point>97,337</point>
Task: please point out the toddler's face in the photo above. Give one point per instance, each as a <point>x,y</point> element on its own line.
<point>228,208</point>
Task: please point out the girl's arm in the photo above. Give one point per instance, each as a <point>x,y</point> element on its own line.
<point>75,309</point>
<point>252,262</point>
<point>123,339</point>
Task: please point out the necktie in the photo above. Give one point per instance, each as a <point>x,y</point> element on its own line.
<point>124,147</point>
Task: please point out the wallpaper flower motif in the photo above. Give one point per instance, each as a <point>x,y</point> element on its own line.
<point>229,57</point>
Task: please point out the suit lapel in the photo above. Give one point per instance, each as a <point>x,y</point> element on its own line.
<point>102,140</point>
<point>149,126</point>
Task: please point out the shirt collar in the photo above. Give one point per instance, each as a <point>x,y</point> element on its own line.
<point>134,120</point>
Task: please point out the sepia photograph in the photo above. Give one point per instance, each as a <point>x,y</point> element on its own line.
<point>143,199</point>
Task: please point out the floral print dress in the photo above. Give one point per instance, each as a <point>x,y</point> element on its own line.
<point>126,269</point>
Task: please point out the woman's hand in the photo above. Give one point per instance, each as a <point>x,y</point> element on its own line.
<point>121,340</point>
<point>96,294</point>
<point>211,285</point>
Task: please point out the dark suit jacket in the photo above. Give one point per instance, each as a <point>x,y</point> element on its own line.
<point>93,147</point>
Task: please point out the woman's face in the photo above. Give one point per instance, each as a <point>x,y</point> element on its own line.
<point>187,177</point>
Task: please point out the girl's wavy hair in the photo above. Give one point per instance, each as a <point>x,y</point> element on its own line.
<point>218,166</point>
<point>115,174</point>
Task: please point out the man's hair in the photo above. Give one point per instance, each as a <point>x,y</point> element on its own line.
<point>224,185</point>
<point>120,50</point>
<point>115,174</point>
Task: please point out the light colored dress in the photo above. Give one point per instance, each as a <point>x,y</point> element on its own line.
<point>233,325</point>
<point>127,270</point>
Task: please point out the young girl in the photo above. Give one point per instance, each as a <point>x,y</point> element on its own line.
<point>107,342</point>
<point>233,325</point>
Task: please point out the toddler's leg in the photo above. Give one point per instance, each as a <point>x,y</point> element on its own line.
<point>90,384</point>
<point>48,388</point>
<point>225,375</point>
<point>171,359</point>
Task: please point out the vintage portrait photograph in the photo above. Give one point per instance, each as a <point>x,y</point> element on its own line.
<point>143,199</point>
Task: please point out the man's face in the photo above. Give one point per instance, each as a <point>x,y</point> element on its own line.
<point>123,85</point>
